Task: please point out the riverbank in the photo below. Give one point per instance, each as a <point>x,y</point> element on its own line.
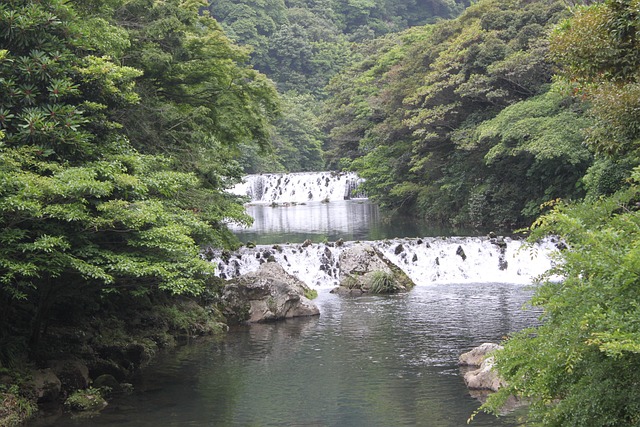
<point>99,352</point>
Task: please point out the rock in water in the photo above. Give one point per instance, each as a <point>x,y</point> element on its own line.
<point>265,295</point>
<point>362,265</point>
<point>478,354</point>
<point>485,377</point>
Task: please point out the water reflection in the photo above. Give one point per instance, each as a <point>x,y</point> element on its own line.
<point>371,361</point>
<point>358,219</point>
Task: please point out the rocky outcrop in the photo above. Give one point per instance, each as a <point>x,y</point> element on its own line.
<point>364,269</point>
<point>268,294</point>
<point>485,377</point>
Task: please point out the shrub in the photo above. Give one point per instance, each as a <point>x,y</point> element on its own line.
<point>382,282</point>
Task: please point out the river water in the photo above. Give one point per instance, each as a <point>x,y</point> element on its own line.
<point>368,361</point>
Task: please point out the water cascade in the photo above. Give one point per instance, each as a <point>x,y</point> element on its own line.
<point>299,187</point>
<point>425,260</point>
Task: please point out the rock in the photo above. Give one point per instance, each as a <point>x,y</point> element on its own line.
<point>107,382</point>
<point>306,243</point>
<point>460,253</point>
<point>108,366</point>
<point>46,385</point>
<point>476,356</point>
<point>484,378</point>
<point>268,294</point>
<point>73,373</point>
<point>362,265</point>
<point>86,400</point>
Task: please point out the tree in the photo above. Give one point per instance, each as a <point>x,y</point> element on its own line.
<point>419,98</point>
<point>580,367</point>
<point>200,101</point>
<point>83,213</point>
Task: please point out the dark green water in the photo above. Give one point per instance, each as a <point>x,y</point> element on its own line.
<point>372,361</point>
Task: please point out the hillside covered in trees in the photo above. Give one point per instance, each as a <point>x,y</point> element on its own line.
<point>460,121</point>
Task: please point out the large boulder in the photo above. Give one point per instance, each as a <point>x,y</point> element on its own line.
<point>485,377</point>
<point>268,294</point>
<point>73,373</point>
<point>46,385</point>
<point>364,269</point>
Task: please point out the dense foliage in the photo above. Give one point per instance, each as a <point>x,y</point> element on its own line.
<point>301,45</point>
<point>88,208</point>
<point>580,367</point>
<point>464,112</point>
<point>123,121</point>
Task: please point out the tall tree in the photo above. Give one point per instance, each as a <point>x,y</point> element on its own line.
<point>406,116</point>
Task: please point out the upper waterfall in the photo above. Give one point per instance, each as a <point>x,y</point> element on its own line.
<point>299,187</point>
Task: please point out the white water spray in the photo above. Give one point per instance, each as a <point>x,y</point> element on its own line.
<point>299,187</point>
<point>425,260</point>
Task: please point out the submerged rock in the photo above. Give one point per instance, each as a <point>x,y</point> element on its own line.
<point>364,269</point>
<point>268,294</point>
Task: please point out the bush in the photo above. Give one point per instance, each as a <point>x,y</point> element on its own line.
<point>382,282</point>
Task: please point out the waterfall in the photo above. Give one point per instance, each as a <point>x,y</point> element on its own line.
<point>425,260</point>
<point>300,187</point>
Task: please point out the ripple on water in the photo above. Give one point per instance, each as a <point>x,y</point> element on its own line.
<point>371,361</point>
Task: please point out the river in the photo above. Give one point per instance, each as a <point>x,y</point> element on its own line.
<point>369,361</point>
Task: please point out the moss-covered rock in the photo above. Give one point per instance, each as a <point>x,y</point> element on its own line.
<point>107,384</point>
<point>364,269</point>
<point>89,399</point>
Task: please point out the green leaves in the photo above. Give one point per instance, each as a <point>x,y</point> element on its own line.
<point>587,349</point>
<point>82,212</point>
<point>459,110</point>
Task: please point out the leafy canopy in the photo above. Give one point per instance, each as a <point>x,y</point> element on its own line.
<point>87,207</point>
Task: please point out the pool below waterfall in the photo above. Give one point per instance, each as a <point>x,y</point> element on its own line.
<point>370,361</point>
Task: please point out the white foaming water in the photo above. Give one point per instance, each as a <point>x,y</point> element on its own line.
<point>299,187</point>
<point>425,260</point>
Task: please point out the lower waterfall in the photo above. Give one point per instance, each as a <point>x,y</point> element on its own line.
<point>425,260</point>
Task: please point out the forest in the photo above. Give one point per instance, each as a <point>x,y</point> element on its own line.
<point>123,122</point>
